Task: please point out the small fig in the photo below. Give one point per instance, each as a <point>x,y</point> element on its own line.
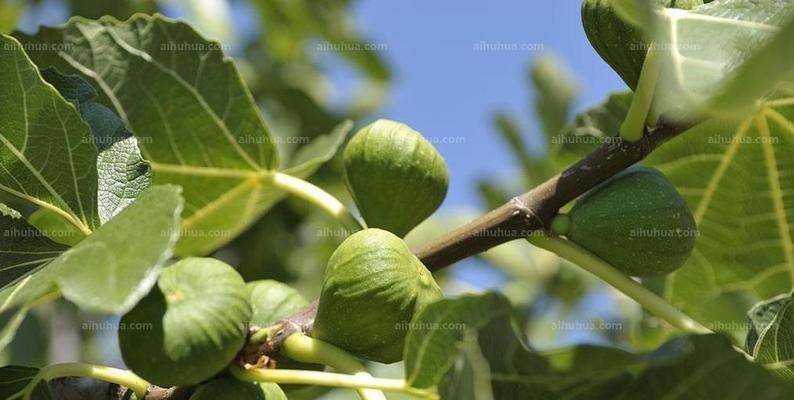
<point>190,326</point>
<point>373,287</point>
<point>272,300</point>
<point>396,177</point>
<point>637,222</point>
<point>233,389</point>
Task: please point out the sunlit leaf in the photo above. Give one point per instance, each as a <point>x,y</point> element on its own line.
<point>47,157</point>
<point>727,53</point>
<point>194,119</point>
<point>311,157</point>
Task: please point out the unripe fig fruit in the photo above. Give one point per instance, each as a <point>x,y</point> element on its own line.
<point>272,301</point>
<point>233,389</point>
<point>396,177</point>
<point>621,45</point>
<point>190,326</point>
<point>373,286</point>
<point>637,222</point>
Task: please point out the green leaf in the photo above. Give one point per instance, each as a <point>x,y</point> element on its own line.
<point>511,133</point>
<point>14,381</point>
<point>753,80</point>
<point>125,255</point>
<point>725,53</point>
<point>18,299</point>
<point>287,24</point>
<point>590,129</point>
<point>55,227</point>
<point>710,369</point>
<point>770,338</point>
<point>431,352</point>
<point>311,157</point>
<point>23,249</point>
<point>556,93</point>
<point>468,346</point>
<point>184,100</point>
<point>736,178</point>
<point>273,301</point>
<point>123,174</point>
<point>46,155</point>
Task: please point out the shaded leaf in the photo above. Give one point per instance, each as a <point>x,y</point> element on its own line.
<point>122,172</point>
<point>761,316</point>
<point>468,347</point>
<point>771,338</point>
<point>23,248</point>
<point>710,369</point>
<point>14,381</point>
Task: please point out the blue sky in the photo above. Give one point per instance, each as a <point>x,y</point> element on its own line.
<point>444,87</point>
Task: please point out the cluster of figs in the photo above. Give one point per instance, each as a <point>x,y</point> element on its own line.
<point>196,319</point>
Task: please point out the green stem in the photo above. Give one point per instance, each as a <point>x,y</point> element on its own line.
<point>303,377</point>
<point>317,196</point>
<point>606,272</point>
<point>113,375</point>
<point>260,335</point>
<point>302,348</point>
<point>632,128</point>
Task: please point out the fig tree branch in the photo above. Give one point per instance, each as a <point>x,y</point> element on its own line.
<point>533,210</point>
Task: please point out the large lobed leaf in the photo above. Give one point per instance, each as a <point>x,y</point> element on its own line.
<point>194,119</point>
<point>184,100</point>
<point>737,179</point>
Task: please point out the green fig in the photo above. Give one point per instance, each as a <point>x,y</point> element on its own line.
<point>233,389</point>
<point>621,45</point>
<point>396,177</point>
<point>373,287</point>
<point>635,221</point>
<point>272,301</point>
<point>190,326</point>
